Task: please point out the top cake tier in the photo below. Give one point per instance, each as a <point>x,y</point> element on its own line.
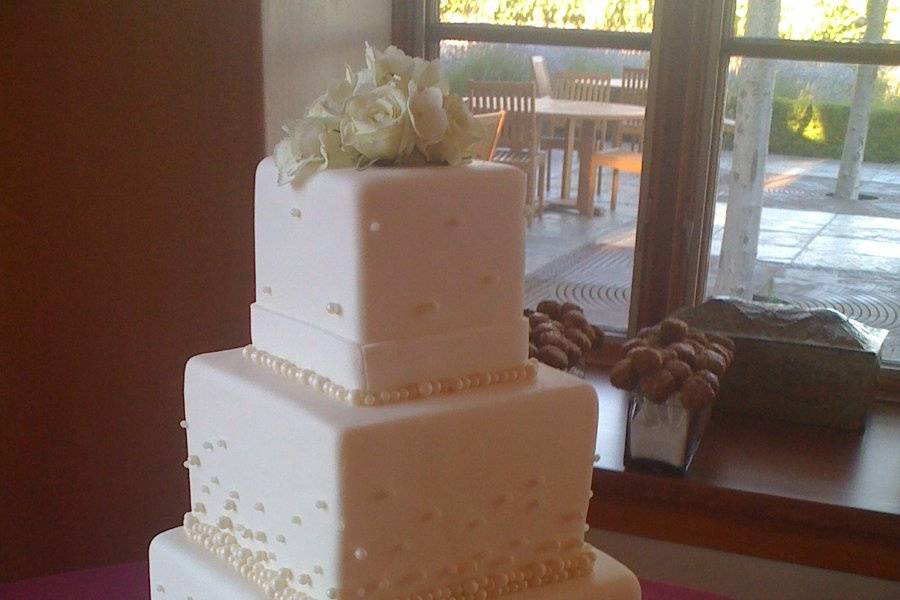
<point>391,276</point>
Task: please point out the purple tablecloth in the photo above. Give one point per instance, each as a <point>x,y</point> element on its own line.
<point>130,582</point>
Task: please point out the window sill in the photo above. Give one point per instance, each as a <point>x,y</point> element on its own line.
<point>765,488</point>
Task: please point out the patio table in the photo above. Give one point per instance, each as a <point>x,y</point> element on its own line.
<point>589,114</point>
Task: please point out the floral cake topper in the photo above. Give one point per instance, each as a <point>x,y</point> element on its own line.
<point>397,110</point>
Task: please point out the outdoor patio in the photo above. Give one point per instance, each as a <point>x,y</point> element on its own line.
<point>814,251</point>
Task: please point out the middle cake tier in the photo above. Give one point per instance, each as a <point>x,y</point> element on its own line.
<point>393,499</point>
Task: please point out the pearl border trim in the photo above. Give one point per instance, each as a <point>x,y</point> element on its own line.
<point>355,397</point>
<point>277,583</point>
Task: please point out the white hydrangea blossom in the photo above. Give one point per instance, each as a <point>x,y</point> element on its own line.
<point>397,110</point>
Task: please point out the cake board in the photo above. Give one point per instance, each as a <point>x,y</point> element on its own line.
<point>181,569</point>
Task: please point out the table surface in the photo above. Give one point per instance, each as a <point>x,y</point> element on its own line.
<point>131,582</point>
<point>583,109</point>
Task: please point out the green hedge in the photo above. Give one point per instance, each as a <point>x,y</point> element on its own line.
<point>801,128</point>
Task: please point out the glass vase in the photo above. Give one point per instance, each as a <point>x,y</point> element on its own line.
<point>662,437</point>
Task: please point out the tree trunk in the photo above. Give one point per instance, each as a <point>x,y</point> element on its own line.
<point>847,186</point>
<point>753,119</point>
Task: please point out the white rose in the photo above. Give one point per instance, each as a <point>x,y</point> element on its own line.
<point>393,62</point>
<point>309,147</point>
<point>330,105</point>
<point>463,134</point>
<point>376,124</point>
<point>427,74</point>
<point>427,115</point>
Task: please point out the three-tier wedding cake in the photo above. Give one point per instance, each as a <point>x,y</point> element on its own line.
<point>385,435</point>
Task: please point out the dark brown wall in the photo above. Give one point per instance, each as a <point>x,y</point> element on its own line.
<point>129,135</point>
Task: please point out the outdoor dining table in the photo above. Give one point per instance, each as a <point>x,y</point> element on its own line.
<point>589,114</point>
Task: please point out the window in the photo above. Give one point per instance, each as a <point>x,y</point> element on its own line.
<point>806,239</point>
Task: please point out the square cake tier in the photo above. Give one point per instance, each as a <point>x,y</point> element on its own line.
<point>383,277</point>
<point>181,569</point>
<point>461,488</point>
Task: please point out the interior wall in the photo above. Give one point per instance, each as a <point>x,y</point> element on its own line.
<point>130,132</point>
<point>308,44</point>
<point>736,576</point>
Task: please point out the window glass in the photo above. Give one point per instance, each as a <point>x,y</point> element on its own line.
<point>825,20</point>
<point>608,15</point>
<point>571,256</point>
<point>808,197</point>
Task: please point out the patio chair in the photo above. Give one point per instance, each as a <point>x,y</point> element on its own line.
<point>581,85</point>
<point>634,91</point>
<point>553,131</point>
<point>542,82</point>
<point>518,144</point>
<point>617,160</point>
<point>493,125</point>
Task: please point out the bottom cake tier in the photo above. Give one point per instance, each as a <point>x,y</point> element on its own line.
<point>179,568</point>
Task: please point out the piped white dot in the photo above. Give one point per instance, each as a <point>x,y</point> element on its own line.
<point>360,554</point>
<point>333,308</point>
<point>321,505</point>
<point>296,520</point>
<point>374,226</point>
<point>183,424</point>
<point>280,538</point>
<point>295,212</point>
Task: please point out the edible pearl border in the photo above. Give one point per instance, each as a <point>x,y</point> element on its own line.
<point>277,583</point>
<point>294,372</point>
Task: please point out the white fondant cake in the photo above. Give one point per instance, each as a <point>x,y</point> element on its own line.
<point>385,437</point>
<point>385,277</point>
<point>191,572</point>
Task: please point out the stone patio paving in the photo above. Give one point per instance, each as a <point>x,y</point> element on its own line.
<point>813,250</point>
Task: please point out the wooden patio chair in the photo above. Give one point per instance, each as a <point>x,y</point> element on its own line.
<point>518,144</point>
<point>492,123</point>
<point>553,130</point>
<point>581,85</point>
<point>585,86</point>
<point>542,82</point>
<point>617,160</point>
<point>634,91</point>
